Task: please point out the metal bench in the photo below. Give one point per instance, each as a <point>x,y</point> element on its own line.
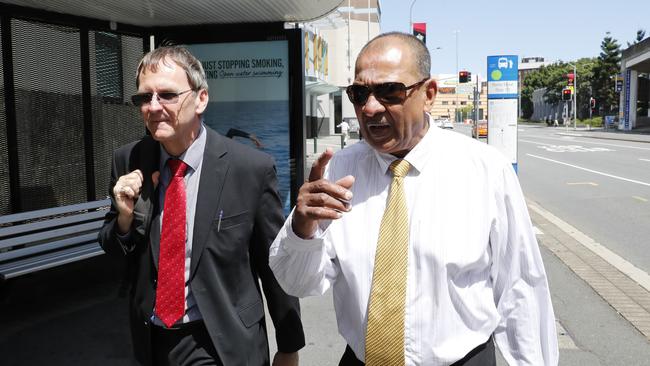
<point>36,240</point>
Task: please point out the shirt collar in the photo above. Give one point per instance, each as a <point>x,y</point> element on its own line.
<point>192,156</point>
<point>418,157</point>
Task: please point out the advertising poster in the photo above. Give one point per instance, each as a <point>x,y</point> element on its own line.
<point>249,98</point>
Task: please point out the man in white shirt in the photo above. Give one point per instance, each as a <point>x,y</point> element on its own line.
<point>345,128</point>
<point>474,274</point>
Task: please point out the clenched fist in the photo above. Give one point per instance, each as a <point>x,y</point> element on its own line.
<point>126,192</point>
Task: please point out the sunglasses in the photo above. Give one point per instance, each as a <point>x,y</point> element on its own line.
<point>386,93</point>
<point>162,98</point>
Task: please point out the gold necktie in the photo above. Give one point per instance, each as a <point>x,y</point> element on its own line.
<point>385,332</point>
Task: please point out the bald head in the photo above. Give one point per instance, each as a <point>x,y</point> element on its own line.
<point>417,53</point>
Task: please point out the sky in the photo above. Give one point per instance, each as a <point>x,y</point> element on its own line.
<point>554,29</point>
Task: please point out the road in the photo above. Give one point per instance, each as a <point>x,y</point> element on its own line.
<point>602,187</point>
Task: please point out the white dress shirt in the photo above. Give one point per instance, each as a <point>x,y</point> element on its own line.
<point>474,267</point>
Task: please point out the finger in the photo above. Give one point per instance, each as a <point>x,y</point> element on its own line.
<point>129,192</point>
<point>155,177</point>
<point>138,174</point>
<point>318,168</point>
<point>326,201</point>
<point>335,190</point>
<point>346,183</point>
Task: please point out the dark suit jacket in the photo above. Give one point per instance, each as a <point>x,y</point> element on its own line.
<point>226,264</point>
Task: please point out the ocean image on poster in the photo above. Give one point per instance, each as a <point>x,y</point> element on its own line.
<point>249,97</point>
<point>267,120</point>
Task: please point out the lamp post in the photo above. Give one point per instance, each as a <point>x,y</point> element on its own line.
<point>457,78</point>
<point>411,17</point>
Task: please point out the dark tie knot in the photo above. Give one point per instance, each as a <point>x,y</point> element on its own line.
<point>177,167</point>
<point>400,168</point>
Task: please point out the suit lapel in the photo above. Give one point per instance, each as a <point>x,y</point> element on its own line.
<point>213,174</point>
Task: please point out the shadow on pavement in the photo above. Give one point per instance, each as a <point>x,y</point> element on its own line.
<point>70,315</point>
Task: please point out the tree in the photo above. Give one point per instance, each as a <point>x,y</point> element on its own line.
<point>606,68</point>
<point>640,35</point>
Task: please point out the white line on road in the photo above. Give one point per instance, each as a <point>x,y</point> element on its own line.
<point>644,159</point>
<point>636,274</point>
<point>640,198</point>
<point>582,184</point>
<point>592,171</point>
<point>586,142</point>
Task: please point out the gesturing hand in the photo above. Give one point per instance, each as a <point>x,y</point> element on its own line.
<point>126,192</point>
<point>320,199</point>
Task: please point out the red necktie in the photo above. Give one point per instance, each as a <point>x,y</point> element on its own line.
<point>170,294</point>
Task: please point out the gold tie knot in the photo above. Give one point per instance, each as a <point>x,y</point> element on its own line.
<point>400,168</point>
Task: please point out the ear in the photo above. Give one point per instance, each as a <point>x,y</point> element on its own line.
<point>431,90</point>
<point>203,99</point>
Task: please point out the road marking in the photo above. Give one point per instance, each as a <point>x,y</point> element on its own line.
<point>582,183</point>
<point>566,148</point>
<point>644,159</point>
<point>564,138</point>
<point>640,198</point>
<point>592,171</point>
<point>537,231</point>
<point>635,273</point>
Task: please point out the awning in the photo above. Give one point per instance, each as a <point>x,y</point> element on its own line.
<point>152,13</point>
<point>314,86</point>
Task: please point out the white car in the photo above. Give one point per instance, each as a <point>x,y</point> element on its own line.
<point>447,124</point>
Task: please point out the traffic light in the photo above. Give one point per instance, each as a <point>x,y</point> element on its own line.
<point>566,94</point>
<point>463,76</point>
<point>592,103</point>
<point>469,76</point>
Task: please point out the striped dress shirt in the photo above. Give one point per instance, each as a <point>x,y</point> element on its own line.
<point>474,267</point>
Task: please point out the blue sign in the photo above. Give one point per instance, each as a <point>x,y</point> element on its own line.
<point>626,115</point>
<point>503,77</point>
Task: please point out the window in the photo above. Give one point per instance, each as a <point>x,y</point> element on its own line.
<point>108,61</point>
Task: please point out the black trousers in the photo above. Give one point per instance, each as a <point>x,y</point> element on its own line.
<point>188,344</point>
<point>482,355</point>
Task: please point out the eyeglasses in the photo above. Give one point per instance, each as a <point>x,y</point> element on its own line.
<point>162,98</point>
<point>386,93</point>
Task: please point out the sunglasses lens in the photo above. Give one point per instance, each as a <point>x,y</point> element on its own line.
<point>390,93</point>
<point>358,94</point>
<point>168,97</point>
<point>140,99</point>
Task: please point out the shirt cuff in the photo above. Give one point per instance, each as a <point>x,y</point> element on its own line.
<point>294,242</point>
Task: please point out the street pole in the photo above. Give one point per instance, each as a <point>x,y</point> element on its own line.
<point>457,79</point>
<point>575,96</point>
<point>411,17</point>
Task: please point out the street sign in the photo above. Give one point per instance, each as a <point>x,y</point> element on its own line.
<point>503,93</point>
<point>420,31</point>
<point>503,76</point>
<point>619,83</point>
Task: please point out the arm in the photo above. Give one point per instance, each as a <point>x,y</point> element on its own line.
<point>283,309</point>
<point>526,334</point>
<point>300,258</point>
<point>111,238</point>
<point>117,235</point>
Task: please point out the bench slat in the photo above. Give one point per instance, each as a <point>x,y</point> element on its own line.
<point>43,248</point>
<point>46,224</point>
<point>51,234</point>
<point>23,216</point>
<point>18,268</point>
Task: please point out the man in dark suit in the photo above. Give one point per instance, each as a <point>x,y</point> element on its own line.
<point>195,214</point>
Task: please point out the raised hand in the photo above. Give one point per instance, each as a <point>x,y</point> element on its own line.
<point>320,199</point>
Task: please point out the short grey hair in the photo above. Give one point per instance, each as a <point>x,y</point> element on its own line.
<point>181,56</point>
<point>421,54</point>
